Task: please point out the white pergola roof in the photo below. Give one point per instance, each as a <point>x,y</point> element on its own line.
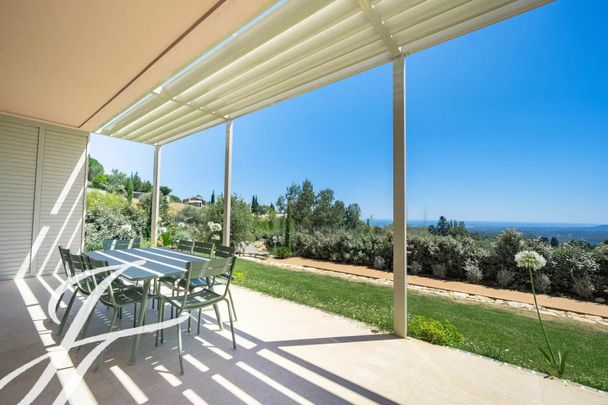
<point>297,47</point>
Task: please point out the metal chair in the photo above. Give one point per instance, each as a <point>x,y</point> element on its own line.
<point>223,252</point>
<point>201,299</point>
<point>115,298</point>
<point>118,244</point>
<point>184,246</point>
<point>202,248</point>
<point>68,270</point>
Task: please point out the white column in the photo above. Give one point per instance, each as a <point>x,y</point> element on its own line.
<point>399,199</point>
<point>155,197</point>
<point>227,180</point>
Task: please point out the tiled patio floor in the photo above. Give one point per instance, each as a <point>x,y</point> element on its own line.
<point>286,353</point>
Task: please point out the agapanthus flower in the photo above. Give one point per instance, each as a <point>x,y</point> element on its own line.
<point>529,259</point>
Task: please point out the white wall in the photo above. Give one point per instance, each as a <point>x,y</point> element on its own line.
<point>42,195</point>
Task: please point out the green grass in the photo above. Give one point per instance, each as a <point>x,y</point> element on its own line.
<point>501,334</point>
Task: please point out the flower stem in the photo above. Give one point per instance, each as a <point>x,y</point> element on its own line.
<point>542,327</point>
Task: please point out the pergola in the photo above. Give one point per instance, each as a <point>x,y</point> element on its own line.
<point>289,49</point>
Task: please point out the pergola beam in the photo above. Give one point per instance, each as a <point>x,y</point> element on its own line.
<point>155,197</point>
<point>399,201</point>
<point>378,25</point>
<point>227,184</point>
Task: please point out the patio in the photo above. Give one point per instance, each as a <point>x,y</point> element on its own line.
<point>295,354</point>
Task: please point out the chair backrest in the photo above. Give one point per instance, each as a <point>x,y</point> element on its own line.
<point>224,251</point>
<point>96,264</point>
<point>203,248</point>
<point>184,246</point>
<point>79,264</point>
<point>116,244</point>
<point>215,267</point>
<point>65,260</point>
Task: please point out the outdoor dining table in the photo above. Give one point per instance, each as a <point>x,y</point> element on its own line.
<point>160,262</point>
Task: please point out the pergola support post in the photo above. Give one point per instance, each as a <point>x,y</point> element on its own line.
<point>399,201</point>
<point>227,181</point>
<point>155,197</point>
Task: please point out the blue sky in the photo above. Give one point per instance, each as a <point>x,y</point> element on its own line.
<point>509,123</point>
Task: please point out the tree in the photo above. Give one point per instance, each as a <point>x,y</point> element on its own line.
<point>130,190</point>
<point>146,186</point>
<point>281,204</point>
<point>164,190</point>
<point>117,182</point>
<point>323,215</point>
<point>136,180</point>
<point>352,215</point>
<point>212,201</point>
<point>300,200</point>
<point>554,242</point>
<point>100,181</point>
<point>287,221</point>
<point>254,204</point>
<point>442,228</point>
<point>95,168</point>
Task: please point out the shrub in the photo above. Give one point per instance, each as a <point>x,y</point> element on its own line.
<point>415,268</point>
<point>508,244</point>
<point>583,287</point>
<point>379,263</point>
<point>439,270</point>
<point>542,283</point>
<point>239,277</point>
<point>283,252</point>
<point>473,272</point>
<point>505,278</point>
<point>346,246</point>
<point>110,216</point>
<point>435,332</point>
<point>601,257</point>
<point>570,263</point>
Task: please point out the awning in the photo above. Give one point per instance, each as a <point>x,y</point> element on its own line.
<point>297,47</point>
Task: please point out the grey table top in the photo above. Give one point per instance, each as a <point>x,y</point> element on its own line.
<point>160,262</point>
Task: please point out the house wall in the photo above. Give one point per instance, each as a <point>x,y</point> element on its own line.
<point>42,195</point>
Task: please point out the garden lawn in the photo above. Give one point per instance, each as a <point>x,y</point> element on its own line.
<point>501,334</point>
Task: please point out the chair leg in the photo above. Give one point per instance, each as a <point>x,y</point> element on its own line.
<point>134,314</point>
<point>179,346</point>
<point>189,321</point>
<point>231,326</point>
<point>59,301</point>
<point>67,313</point>
<point>83,332</point>
<point>219,318</point>
<point>161,310</point>
<point>112,322</point>
<point>198,328</point>
<point>232,305</point>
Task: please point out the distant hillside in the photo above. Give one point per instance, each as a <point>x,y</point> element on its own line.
<point>594,234</point>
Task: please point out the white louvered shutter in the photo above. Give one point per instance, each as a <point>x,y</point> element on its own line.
<point>18,156</point>
<point>61,197</point>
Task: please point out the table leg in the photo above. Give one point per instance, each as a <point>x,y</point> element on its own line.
<point>140,321</point>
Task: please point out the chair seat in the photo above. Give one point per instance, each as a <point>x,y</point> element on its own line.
<point>194,300</point>
<point>124,296</point>
<point>194,283</point>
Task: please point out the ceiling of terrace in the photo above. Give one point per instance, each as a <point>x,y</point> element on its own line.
<point>297,47</point>
<point>78,63</point>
